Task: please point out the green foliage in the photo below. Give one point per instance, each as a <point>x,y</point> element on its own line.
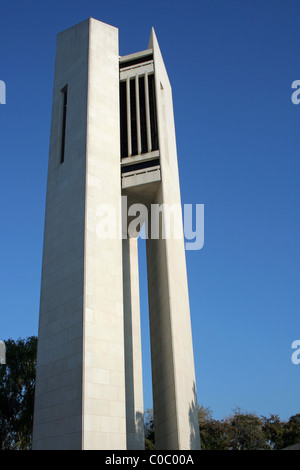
<point>149,430</point>
<point>274,430</point>
<point>214,435</point>
<point>17,382</point>
<point>291,433</point>
<point>240,431</point>
<point>247,431</point>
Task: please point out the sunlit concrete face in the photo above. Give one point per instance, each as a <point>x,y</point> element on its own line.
<point>89,392</point>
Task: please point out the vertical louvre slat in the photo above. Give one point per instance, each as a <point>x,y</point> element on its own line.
<point>143,113</point>
<point>123,120</point>
<point>148,124</point>
<point>133,116</point>
<point>152,106</point>
<point>138,121</point>
<point>128,116</point>
<point>138,115</point>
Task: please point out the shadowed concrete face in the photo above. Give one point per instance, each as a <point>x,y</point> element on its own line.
<point>110,112</point>
<point>132,334</point>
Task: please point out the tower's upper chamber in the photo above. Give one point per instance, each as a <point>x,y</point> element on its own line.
<point>140,162</point>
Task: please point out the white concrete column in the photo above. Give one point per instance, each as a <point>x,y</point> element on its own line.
<point>174,385</point>
<point>104,411</point>
<point>80,385</point>
<point>133,353</point>
<point>58,394</point>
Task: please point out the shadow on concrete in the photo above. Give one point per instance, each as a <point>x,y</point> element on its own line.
<point>134,419</point>
<point>194,422</point>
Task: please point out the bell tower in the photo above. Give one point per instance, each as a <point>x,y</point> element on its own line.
<point>112,135</point>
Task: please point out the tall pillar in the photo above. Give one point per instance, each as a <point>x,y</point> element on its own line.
<point>174,385</point>
<point>109,112</point>
<point>133,353</point>
<point>80,387</point>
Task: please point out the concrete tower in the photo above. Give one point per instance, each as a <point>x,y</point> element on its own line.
<point>112,135</point>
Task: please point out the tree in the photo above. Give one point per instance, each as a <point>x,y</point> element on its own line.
<point>291,432</point>
<point>246,432</point>
<point>149,430</point>
<point>17,383</point>
<point>240,431</point>
<point>214,435</point>
<point>273,429</point>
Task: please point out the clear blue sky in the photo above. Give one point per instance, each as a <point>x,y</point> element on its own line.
<point>231,64</point>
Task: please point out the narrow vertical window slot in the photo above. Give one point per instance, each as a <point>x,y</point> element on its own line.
<point>64,92</point>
